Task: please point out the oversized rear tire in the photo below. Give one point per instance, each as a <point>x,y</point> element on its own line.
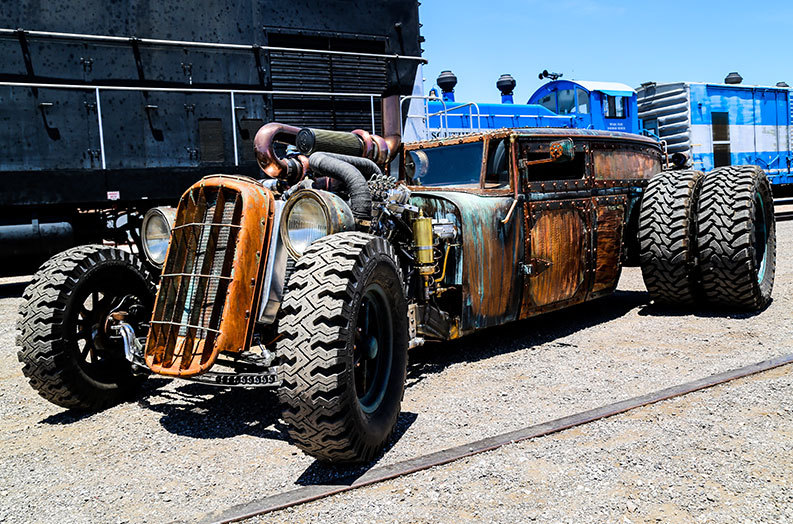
<point>343,356</point>
<point>667,237</point>
<point>737,238</point>
<point>65,349</point>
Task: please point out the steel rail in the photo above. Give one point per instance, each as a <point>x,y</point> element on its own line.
<point>310,493</point>
<point>191,43</point>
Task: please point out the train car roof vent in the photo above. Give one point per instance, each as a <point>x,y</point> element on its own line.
<point>782,84</point>
<point>446,81</point>
<point>506,84</point>
<point>733,78</point>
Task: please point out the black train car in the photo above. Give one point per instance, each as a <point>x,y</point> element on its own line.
<point>110,108</point>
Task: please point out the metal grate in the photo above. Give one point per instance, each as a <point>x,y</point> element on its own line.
<point>196,277</point>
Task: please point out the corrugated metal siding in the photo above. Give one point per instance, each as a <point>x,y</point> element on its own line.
<point>670,106</point>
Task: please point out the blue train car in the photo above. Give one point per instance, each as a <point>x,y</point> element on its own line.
<point>559,103</point>
<point>718,125</point>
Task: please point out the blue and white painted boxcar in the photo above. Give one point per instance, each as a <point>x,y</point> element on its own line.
<point>722,124</point>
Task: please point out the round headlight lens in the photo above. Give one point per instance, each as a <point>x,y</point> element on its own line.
<point>305,224</point>
<point>156,233</point>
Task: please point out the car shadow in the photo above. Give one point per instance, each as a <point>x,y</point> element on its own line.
<point>151,387</point>
<point>434,357</point>
<point>321,473</point>
<point>207,412</point>
<point>706,311</point>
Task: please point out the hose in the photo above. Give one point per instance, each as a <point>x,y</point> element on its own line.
<point>364,165</point>
<point>360,198</point>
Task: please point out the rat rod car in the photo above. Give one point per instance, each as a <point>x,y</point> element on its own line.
<point>317,280</point>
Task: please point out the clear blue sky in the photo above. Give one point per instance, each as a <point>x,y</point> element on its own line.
<point>619,41</point>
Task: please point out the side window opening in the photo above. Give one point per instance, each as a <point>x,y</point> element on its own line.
<point>549,101</point>
<point>497,169</point>
<point>583,101</point>
<point>721,138</point>
<point>566,101</point>
<point>574,169</point>
<point>614,106</point>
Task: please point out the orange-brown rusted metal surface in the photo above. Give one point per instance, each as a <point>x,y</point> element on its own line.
<point>559,252</point>
<point>212,275</point>
<point>610,216</point>
<point>619,164</point>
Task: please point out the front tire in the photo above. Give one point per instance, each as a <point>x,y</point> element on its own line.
<point>66,351</point>
<point>343,355</point>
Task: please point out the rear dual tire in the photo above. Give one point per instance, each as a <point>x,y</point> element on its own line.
<point>737,238</point>
<point>709,238</point>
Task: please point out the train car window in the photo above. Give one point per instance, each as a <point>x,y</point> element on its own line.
<point>566,101</point>
<point>583,101</point>
<point>549,101</point>
<point>721,126</point>
<point>614,106</point>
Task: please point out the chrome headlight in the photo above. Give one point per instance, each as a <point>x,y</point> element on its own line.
<point>310,215</point>
<point>155,233</point>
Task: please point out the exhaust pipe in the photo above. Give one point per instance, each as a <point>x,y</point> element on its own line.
<point>358,143</point>
<point>289,169</point>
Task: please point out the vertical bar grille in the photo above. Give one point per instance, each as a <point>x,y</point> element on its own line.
<point>210,272</point>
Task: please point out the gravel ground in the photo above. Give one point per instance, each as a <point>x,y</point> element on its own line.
<point>184,449</point>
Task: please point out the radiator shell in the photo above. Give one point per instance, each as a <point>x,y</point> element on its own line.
<point>211,282</point>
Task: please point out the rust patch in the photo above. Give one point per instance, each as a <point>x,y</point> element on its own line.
<point>617,164</point>
<point>559,243</point>
<point>211,278</point>
<point>610,215</point>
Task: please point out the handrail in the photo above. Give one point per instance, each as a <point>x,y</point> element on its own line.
<point>190,43</point>
<point>184,89</point>
<point>469,105</point>
<point>425,116</point>
<point>231,92</point>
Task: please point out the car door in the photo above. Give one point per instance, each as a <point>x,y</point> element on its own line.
<point>558,226</point>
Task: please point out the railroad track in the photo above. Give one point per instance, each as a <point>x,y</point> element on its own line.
<point>310,493</point>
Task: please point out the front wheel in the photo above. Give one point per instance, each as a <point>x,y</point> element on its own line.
<point>343,354</point>
<point>67,350</point>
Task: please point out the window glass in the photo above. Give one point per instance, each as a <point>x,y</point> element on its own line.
<point>614,106</point>
<point>459,164</point>
<point>549,101</point>
<point>566,101</point>
<point>583,101</point>
<point>497,171</point>
<point>721,126</point>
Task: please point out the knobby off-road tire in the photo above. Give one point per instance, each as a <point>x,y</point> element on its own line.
<point>667,237</point>
<point>64,348</point>
<point>343,355</point>
<point>737,238</point>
